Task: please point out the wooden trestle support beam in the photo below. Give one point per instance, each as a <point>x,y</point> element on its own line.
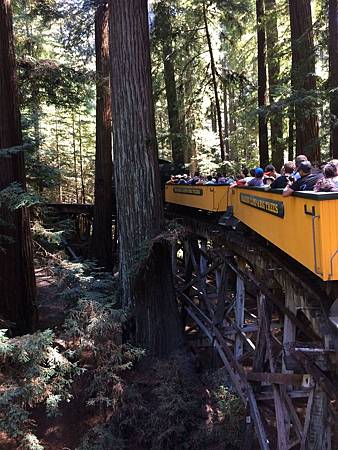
<point>271,331</point>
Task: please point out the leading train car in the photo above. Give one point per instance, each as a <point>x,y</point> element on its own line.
<point>305,225</point>
<point>211,198</point>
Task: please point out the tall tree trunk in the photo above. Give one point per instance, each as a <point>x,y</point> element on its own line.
<point>276,120</point>
<point>291,137</point>
<point>145,265</point>
<point>214,82</point>
<point>164,31</point>
<point>17,280</point>
<point>226,120</point>
<point>103,208</point>
<point>83,191</point>
<point>303,79</point>
<point>190,125</point>
<point>232,125</point>
<point>262,85</point>
<point>213,115</point>
<point>75,159</point>
<point>333,75</point>
<point>58,157</point>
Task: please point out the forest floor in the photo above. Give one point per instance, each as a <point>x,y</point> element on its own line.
<point>155,405</point>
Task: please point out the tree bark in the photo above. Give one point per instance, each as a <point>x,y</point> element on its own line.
<point>17,279</point>
<point>103,208</point>
<point>303,79</point>
<point>58,158</point>
<point>276,119</point>
<point>74,158</point>
<point>214,82</point>
<point>233,151</point>
<point>165,34</point>
<point>291,137</point>
<point>83,191</point>
<point>262,85</point>
<point>226,120</point>
<point>145,265</point>
<point>333,74</point>
<point>213,116</point>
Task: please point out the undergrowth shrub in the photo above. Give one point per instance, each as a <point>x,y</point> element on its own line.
<point>164,408</point>
<point>227,419</point>
<point>12,198</point>
<point>33,371</point>
<point>156,411</point>
<point>39,369</point>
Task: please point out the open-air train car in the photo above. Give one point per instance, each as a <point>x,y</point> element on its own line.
<point>207,197</point>
<point>305,226</point>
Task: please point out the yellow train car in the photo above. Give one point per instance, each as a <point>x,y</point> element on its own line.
<point>305,226</point>
<point>212,198</point>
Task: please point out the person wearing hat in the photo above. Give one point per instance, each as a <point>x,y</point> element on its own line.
<point>306,182</point>
<point>298,161</point>
<point>258,180</point>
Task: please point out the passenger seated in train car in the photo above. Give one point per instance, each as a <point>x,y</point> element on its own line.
<point>221,179</point>
<point>270,171</point>
<point>335,163</point>
<point>286,173</point>
<point>258,180</point>
<point>329,183</point>
<point>244,172</point>
<point>224,180</point>
<point>194,179</point>
<point>172,180</point>
<point>245,180</point>
<point>210,180</point>
<point>299,159</point>
<point>184,179</point>
<point>268,181</point>
<point>201,181</point>
<point>306,182</point>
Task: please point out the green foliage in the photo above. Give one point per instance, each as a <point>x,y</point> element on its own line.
<point>35,372</point>
<point>14,197</point>
<point>228,417</point>
<point>57,97</point>
<point>39,369</point>
<point>47,236</point>
<point>166,409</point>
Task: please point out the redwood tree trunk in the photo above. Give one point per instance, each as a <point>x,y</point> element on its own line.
<point>75,158</point>
<point>17,280</point>
<point>333,75</point>
<point>214,82</point>
<point>291,137</point>
<point>164,31</point>
<point>83,191</point>
<point>226,120</point>
<point>303,79</point>
<point>262,86</point>
<point>276,120</point>
<point>103,208</point>
<point>145,266</point>
<point>233,151</point>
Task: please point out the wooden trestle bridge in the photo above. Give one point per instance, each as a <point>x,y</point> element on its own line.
<point>273,324</point>
<point>269,321</point>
